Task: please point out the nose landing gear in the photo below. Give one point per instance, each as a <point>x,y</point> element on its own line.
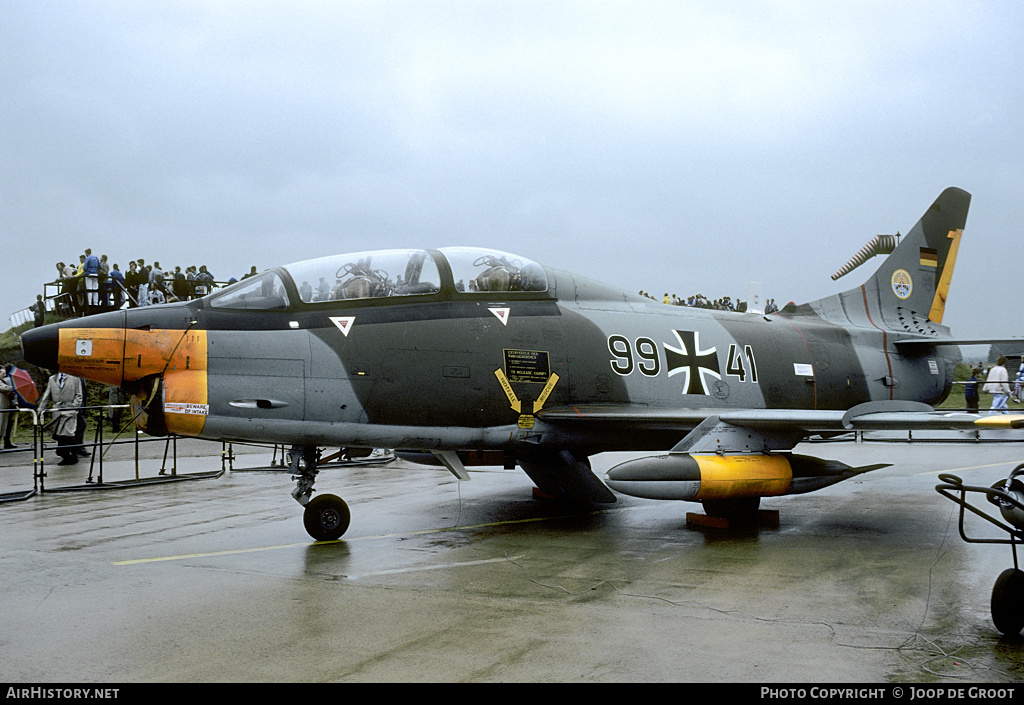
<point>327,516</point>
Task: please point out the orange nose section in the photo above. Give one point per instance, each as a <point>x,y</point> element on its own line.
<point>92,353</point>
<point>116,356</point>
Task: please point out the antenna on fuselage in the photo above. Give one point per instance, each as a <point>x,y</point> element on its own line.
<point>755,301</point>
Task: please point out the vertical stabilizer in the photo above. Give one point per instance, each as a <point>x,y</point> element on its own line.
<point>912,284</point>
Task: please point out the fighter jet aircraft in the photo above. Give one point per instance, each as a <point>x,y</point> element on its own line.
<point>476,356</point>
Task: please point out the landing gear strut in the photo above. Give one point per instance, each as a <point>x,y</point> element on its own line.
<point>327,516</point>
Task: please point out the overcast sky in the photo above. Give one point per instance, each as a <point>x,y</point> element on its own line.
<point>674,147</point>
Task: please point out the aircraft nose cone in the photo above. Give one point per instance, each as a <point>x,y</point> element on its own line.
<point>39,346</point>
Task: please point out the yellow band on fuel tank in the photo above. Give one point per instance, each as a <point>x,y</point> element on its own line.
<point>723,477</point>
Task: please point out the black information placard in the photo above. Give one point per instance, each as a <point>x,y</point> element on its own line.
<point>526,366</point>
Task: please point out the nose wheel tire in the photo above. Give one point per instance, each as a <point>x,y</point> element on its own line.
<point>326,517</point>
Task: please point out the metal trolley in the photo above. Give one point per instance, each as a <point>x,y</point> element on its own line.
<point>1008,496</point>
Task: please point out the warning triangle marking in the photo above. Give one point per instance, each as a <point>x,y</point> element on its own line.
<point>344,323</point>
<point>501,314</point>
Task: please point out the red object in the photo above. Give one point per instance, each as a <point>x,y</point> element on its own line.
<point>24,387</point>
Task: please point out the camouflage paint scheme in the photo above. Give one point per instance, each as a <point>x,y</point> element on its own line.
<point>539,367</point>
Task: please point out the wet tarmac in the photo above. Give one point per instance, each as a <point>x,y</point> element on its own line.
<point>215,580</point>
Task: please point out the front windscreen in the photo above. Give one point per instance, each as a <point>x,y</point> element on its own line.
<point>263,292</point>
<point>366,275</point>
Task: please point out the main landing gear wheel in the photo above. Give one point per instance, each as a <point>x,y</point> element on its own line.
<point>326,517</point>
<point>1008,602</point>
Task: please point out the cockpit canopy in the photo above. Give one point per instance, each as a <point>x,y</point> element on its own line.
<point>366,275</point>
<point>478,270</point>
<point>383,274</point>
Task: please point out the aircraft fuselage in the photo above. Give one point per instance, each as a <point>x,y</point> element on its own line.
<point>471,371</point>
<point>464,351</point>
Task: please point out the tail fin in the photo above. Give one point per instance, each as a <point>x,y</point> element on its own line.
<point>913,282</point>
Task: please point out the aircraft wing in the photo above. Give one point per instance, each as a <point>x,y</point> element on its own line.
<point>731,455</point>
<point>789,426</point>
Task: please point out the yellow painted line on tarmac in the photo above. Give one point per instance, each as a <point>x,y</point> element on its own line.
<point>186,556</point>
<point>964,469</point>
<point>443,566</point>
<point>258,549</point>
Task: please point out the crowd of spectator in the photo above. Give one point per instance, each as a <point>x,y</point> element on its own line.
<point>94,285</point>
<point>700,301</point>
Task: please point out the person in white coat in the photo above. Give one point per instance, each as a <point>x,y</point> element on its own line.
<point>998,385</point>
<point>65,393</point>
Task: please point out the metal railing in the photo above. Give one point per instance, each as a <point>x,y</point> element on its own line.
<point>60,303</point>
<point>96,449</point>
